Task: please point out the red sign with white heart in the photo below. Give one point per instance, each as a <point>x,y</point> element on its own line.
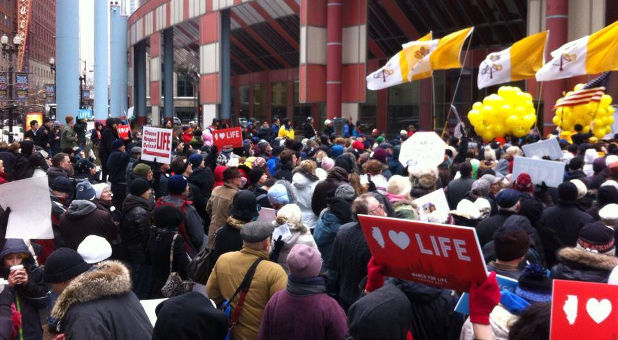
<point>584,310</point>
<point>227,138</point>
<point>123,131</point>
<point>439,255</point>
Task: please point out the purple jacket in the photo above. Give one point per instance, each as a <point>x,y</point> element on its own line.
<point>311,317</point>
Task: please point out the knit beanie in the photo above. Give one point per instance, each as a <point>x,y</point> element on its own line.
<point>510,242</point>
<point>141,170</point>
<point>94,249</point>
<point>139,186</point>
<point>167,216</point>
<point>596,237</point>
<point>196,159</point>
<point>85,191</point>
<point>258,162</point>
<point>176,184</point>
<point>117,144</point>
<point>399,185</point>
<point>304,261</point>
<point>62,184</point>
<point>567,192</point>
<point>607,194</point>
<point>98,189</point>
<point>346,162</point>
<point>345,191</point>
<point>609,213</point>
<point>380,154</point>
<point>480,187</point>
<point>327,163</point>
<point>507,198</point>
<point>523,183</point>
<point>534,285</point>
<point>336,151</point>
<point>278,194</point>
<point>62,265</point>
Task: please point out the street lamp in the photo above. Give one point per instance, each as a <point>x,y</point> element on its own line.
<point>10,50</point>
<point>52,66</point>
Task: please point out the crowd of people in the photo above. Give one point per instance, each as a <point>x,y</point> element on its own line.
<point>137,230</point>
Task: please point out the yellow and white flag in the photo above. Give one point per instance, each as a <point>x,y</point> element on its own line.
<point>520,61</point>
<point>592,54</point>
<point>396,70</point>
<point>442,54</point>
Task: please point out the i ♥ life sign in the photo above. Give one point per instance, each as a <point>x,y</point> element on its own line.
<point>444,256</point>
<point>584,310</point>
<point>227,138</point>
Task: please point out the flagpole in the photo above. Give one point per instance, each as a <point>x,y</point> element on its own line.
<point>538,106</point>
<point>433,101</point>
<point>457,85</point>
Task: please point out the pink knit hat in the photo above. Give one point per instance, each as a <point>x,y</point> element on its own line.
<point>327,163</point>
<point>304,261</point>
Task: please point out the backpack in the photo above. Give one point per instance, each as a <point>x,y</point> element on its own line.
<point>201,265</point>
<point>181,228</point>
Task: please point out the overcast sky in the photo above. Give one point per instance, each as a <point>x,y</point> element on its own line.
<point>86,33</point>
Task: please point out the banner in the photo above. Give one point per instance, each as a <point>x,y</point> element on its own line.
<point>227,138</point>
<point>540,149</point>
<point>422,149</point>
<point>123,131</point>
<point>85,114</point>
<point>440,255</point>
<point>583,310</point>
<point>21,87</point>
<point>505,283</point>
<point>23,28</point>
<point>550,172</point>
<point>4,87</point>
<point>157,145</point>
<point>25,197</point>
<point>50,93</point>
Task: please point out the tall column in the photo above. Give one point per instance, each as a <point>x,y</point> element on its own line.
<point>556,21</point>
<point>118,52</point>
<point>312,51</point>
<point>209,66</point>
<point>101,61</point>
<point>168,72</point>
<point>67,58</point>
<point>139,81</point>
<point>225,73</point>
<point>333,58</point>
<point>354,57</point>
<point>155,78</point>
<point>425,117</point>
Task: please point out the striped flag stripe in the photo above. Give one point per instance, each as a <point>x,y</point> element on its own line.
<point>581,96</point>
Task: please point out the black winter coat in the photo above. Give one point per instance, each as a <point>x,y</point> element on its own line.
<point>565,220</point>
<point>325,190</point>
<point>284,172</point>
<point>159,245</point>
<point>135,227</point>
<point>580,265</point>
<point>117,166</point>
<point>108,136</point>
<point>486,228</point>
<point>227,238</point>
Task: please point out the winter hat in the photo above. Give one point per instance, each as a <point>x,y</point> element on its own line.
<point>467,209</point>
<point>510,242</point>
<point>483,205</point>
<point>304,261</point>
<point>345,191</point>
<point>336,150</point>
<point>255,174</point>
<point>62,184</point>
<point>610,182</point>
<point>598,165</point>
<point>523,183</point>
<point>136,149</point>
<point>491,179</point>
<point>380,154</point>
<point>85,191</point>
<point>196,159</point>
<point>278,194</point>
<point>347,162</point>
<point>244,206</point>
<point>62,265</point>
<point>609,213</point>
<point>358,145</point>
<point>582,190</point>
<point>607,194</point>
<point>256,231</point>
<point>290,214</point>
<point>14,246</point>
<point>379,139</point>
<point>116,144</point>
<point>139,186</point>
<point>141,170</point>
<point>596,237</point>
<point>567,192</point>
<point>507,198</point>
<point>576,163</point>
<point>534,285</point>
<point>176,184</point>
<point>480,187</point>
<point>258,162</point>
<point>399,185</point>
<point>328,121</point>
<point>94,249</point>
<point>167,216</point>
<point>98,189</point>
<point>327,163</point>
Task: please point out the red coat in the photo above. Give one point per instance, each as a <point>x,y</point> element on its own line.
<point>187,136</point>
<point>3,177</point>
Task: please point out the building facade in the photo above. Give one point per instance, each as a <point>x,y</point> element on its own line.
<point>296,58</point>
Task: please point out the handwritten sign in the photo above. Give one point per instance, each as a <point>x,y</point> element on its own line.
<point>434,201</point>
<point>549,147</point>
<point>227,138</point>
<point>584,310</point>
<point>540,170</point>
<point>422,149</point>
<point>123,131</point>
<point>439,255</point>
<point>505,283</point>
<point>25,197</point>
<point>157,144</point>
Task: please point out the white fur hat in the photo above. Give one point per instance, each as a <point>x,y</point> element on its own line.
<point>609,212</point>
<point>98,189</point>
<point>94,249</point>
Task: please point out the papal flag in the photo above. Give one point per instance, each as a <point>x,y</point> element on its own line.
<point>442,54</point>
<point>592,54</point>
<point>398,68</point>
<point>520,61</point>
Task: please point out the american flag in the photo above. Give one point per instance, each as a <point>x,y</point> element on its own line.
<point>591,92</point>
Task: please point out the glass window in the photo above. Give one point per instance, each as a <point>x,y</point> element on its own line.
<point>258,102</point>
<point>184,85</point>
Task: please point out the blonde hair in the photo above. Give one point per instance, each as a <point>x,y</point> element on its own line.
<point>309,166</point>
<point>399,185</point>
<point>320,155</point>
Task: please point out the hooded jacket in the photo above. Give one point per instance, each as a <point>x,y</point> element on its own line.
<point>337,214</point>
<point>304,184</point>
<point>325,190</point>
<point>580,265</point>
<point>83,219</point>
<point>219,207</point>
<point>158,252</point>
<point>135,227</point>
<point>99,304</point>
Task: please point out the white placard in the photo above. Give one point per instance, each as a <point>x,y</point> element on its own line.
<point>548,147</point>
<point>422,149</point>
<point>157,144</point>
<point>30,205</point>
<point>540,170</point>
<point>150,307</point>
<point>434,201</point>
<point>267,215</point>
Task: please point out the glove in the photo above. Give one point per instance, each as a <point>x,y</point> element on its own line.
<point>274,255</point>
<point>375,278</point>
<point>483,298</point>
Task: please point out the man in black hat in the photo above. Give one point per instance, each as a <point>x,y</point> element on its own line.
<point>511,244</point>
<point>86,297</point>
<point>116,168</point>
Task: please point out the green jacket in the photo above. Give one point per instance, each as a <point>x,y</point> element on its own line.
<point>67,137</point>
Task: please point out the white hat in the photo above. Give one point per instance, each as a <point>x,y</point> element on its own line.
<point>611,159</point>
<point>94,249</point>
<point>328,121</point>
<point>467,209</point>
<point>403,132</point>
<point>582,190</point>
<point>610,182</point>
<point>98,189</point>
<point>483,205</point>
<point>609,212</point>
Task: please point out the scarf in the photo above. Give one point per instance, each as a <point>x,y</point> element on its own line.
<point>302,286</point>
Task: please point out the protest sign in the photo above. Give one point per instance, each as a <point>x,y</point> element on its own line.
<point>422,149</point>
<point>157,144</point>
<point>434,201</point>
<point>540,170</point>
<point>123,131</point>
<point>505,283</point>
<point>150,307</point>
<point>548,147</point>
<point>267,215</point>
<point>30,116</point>
<point>25,197</point>
<point>440,255</point>
<point>584,310</point>
<point>227,138</point>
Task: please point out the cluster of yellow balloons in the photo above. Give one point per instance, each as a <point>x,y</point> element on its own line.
<point>601,114</point>
<point>511,111</point>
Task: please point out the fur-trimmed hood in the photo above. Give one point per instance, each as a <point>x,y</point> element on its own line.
<point>581,265</point>
<point>108,278</point>
<point>588,259</point>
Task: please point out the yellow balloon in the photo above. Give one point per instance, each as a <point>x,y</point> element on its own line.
<point>579,86</point>
<point>511,121</point>
<point>498,130</point>
<point>599,133</point>
<point>556,120</point>
<point>586,129</point>
<point>610,109</point>
<point>598,122</point>
<point>529,120</point>
<point>477,105</point>
<point>606,100</point>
